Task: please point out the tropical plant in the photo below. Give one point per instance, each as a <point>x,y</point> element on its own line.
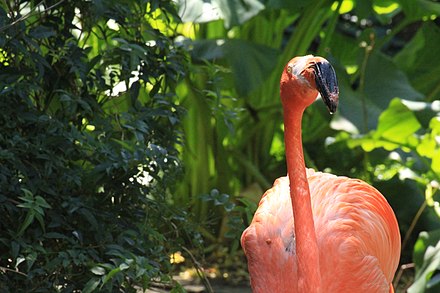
<point>124,123</point>
<point>234,137</point>
<point>88,136</point>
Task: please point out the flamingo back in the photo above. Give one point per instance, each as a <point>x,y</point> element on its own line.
<point>357,232</point>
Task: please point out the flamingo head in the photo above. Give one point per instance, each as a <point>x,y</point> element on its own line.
<point>306,77</point>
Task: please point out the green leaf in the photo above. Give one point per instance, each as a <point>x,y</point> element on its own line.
<point>42,202</point>
<point>419,9</point>
<point>233,12</point>
<point>91,285</point>
<point>426,258</point>
<point>386,9</point>
<point>435,163</point>
<point>42,32</point>
<point>123,266</point>
<point>19,261</point>
<point>40,219</point>
<point>250,63</point>
<point>89,217</point>
<point>27,194</point>
<point>292,6</point>
<point>383,82</point>
<point>55,235</point>
<point>236,12</point>
<point>15,249</point>
<point>111,274</point>
<point>419,60</point>
<point>395,129</point>
<point>30,259</point>
<point>98,270</point>
<point>27,221</point>
<point>397,123</point>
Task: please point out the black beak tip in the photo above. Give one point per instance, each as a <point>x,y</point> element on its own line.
<point>332,104</point>
<point>327,84</point>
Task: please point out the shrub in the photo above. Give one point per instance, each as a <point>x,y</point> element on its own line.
<point>86,170</point>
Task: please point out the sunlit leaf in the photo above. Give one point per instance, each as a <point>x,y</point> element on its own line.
<point>397,123</point>
<point>385,7</point>
<point>383,82</point>
<point>111,274</point>
<point>346,6</point>
<point>233,12</point>
<point>386,10</point>
<point>91,285</point>
<point>395,129</point>
<point>426,258</point>
<point>435,163</point>
<point>427,146</point>
<point>98,270</point>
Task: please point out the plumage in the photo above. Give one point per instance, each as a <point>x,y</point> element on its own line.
<point>352,237</point>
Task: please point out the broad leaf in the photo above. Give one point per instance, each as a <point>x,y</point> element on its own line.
<point>397,123</point>
<point>383,82</point>
<point>419,9</point>
<point>251,64</point>
<point>98,270</point>
<point>427,260</point>
<point>233,12</point>
<point>419,59</point>
<point>91,285</point>
<point>396,128</point>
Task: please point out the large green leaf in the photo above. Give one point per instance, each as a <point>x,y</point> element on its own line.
<point>395,128</point>
<point>419,9</point>
<point>427,260</point>
<point>251,64</point>
<point>419,59</point>
<point>233,12</point>
<point>383,82</point>
<point>397,123</point>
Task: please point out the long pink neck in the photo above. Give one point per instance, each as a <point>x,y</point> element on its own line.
<point>307,253</point>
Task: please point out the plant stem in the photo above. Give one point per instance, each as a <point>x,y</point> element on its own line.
<point>368,49</point>
<point>413,224</point>
<point>400,272</point>
<point>12,271</point>
<point>199,271</point>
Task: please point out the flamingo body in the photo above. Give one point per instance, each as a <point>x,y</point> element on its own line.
<point>357,233</point>
<point>315,232</point>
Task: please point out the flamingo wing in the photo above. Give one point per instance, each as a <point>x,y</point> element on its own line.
<point>357,232</point>
<point>269,242</point>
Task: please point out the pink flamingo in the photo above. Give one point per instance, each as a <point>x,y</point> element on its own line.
<point>323,233</point>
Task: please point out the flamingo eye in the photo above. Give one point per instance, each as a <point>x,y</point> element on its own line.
<point>289,68</point>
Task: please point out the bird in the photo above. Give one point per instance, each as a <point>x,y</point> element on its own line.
<point>316,232</point>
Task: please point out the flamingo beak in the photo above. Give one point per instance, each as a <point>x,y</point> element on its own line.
<point>327,84</point>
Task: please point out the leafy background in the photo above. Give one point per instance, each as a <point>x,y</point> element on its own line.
<point>136,137</point>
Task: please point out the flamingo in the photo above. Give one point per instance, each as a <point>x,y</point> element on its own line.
<point>313,231</point>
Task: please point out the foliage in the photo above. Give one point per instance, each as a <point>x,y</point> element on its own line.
<point>384,131</point>
<point>414,154</point>
<point>427,260</point>
<point>105,104</point>
<point>88,136</point>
